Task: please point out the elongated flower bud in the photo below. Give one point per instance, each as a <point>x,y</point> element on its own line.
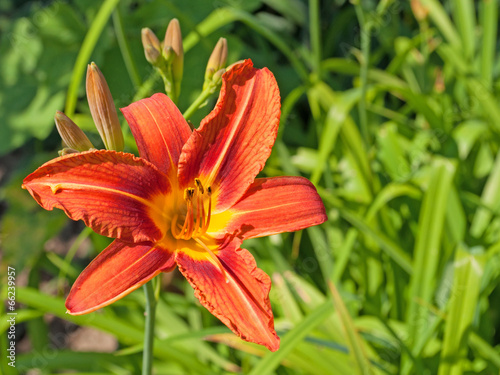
<point>103,109</point>
<point>419,10</point>
<point>151,44</point>
<point>173,52</point>
<point>217,59</point>
<point>71,134</point>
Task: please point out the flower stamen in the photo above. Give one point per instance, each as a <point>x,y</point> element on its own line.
<point>188,221</point>
<point>195,222</point>
<point>200,207</point>
<point>207,223</point>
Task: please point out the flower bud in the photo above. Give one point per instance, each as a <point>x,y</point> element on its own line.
<point>103,109</point>
<point>217,59</point>
<point>71,134</point>
<point>151,44</point>
<point>217,77</point>
<point>419,10</point>
<point>174,52</point>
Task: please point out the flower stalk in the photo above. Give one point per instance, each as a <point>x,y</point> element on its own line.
<point>149,328</point>
<point>213,77</point>
<point>201,100</point>
<point>166,57</point>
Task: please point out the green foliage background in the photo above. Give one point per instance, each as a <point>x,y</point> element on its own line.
<point>395,119</point>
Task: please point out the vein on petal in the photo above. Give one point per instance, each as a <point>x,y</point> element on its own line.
<point>238,119</point>
<point>55,187</point>
<point>162,136</point>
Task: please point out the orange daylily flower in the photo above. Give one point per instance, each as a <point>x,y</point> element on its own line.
<point>189,200</point>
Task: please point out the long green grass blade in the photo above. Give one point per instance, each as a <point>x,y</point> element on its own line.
<point>443,22</point>
<point>464,14</point>
<point>83,57</point>
<point>269,363</point>
<point>489,24</point>
<point>462,304</point>
<point>119,328</point>
<point>490,199</point>
<point>354,343</point>
<point>387,245</point>
<point>125,48</point>
<point>224,16</point>
<point>484,349</point>
<point>427,252</point>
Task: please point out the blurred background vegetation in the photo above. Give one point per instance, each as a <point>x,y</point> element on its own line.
<point>391,108</point>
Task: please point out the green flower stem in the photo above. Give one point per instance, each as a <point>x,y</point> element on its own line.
<point>205,94</point>
<point>366,28</point>
<point>84,234</point>
<point>166,75</point>
<point>147,86</point>
<point>124,45</point>
<point>315,35</point>
<point>149,329</point>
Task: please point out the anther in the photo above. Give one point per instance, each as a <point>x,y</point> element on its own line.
<point>196,222</point>
<point>199,185</point>
<point>188,194</point>
<point>187,228</point>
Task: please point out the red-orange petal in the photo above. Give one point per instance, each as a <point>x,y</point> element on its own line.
<point>241,303</point>
<point>110,191</point>
<point>118,270</point>
<point>234,141</point>
<point>159,130</point>
<point>275,205</point>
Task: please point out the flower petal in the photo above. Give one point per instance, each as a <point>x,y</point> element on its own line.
<point>242,301</point>
<point>111,192</point>
<point>234,141</point>
<point>159,130</point>
<point>118,270</point>
<point>270,206</point>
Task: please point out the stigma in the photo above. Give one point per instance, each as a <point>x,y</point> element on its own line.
<point>198,202</point>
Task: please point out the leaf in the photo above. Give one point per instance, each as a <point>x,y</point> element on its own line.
<point>462,304</point>
<point>427,252</point>
<point>354,342</point>
<point>268,364</point>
